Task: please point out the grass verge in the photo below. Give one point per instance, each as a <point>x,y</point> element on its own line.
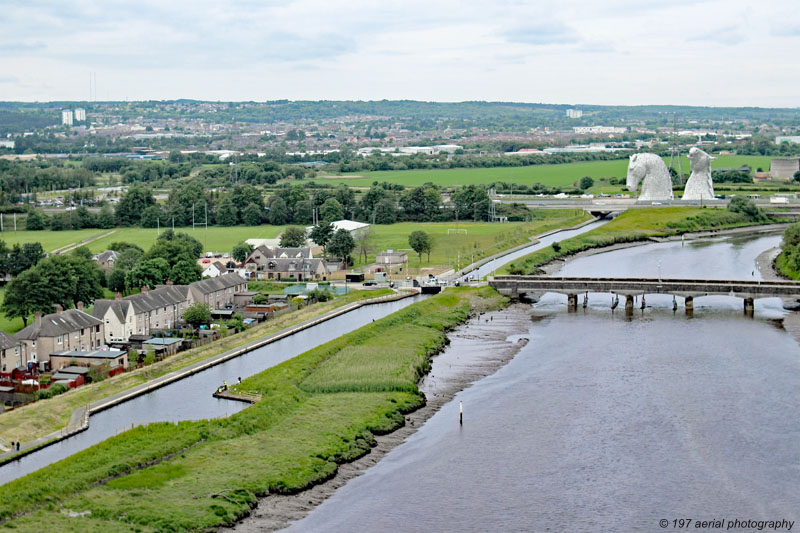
<point>318,410</point>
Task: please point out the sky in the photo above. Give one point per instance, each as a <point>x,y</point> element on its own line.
<point>612,52</point>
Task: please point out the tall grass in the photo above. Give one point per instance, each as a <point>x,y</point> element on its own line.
<point>317,410</point>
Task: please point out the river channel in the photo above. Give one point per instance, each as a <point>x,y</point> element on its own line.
<point>606,423</point>
<point>191,399</point>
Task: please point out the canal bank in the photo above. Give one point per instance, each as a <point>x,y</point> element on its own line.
<point>80,419</point>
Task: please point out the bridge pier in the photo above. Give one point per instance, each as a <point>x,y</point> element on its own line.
<point>689,304</point>
<point>572,302</point>
<point>749,306</point>
<point>628,305</point>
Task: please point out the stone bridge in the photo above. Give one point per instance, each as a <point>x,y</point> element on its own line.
<point>515,286</point>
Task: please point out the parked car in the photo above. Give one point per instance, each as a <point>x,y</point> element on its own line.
<point>369,283</point>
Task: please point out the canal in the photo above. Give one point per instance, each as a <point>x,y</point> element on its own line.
<point>191,399</point>
<point>602,423</point>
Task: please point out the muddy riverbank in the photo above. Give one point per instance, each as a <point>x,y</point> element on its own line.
<point>463,362</point>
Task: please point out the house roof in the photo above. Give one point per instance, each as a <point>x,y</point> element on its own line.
<point>349,225</point>
<point>225,281</point>
<point>7,341</point>
<point>270,253</point>
<point>281,264</point>
<point>119,307</point>
<point>75,370</point>
<point>57,324</point>
<point>102,257</point>
<point>158,341</point>
<point>90,354</point>
<point>162,296</point>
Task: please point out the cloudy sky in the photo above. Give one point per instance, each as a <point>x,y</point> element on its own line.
<point>718,53</point>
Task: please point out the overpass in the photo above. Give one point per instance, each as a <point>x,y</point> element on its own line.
<point>515,286</point>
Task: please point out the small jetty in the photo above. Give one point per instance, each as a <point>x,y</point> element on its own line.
<point>239,396</point>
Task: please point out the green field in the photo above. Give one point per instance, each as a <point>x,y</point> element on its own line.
<point>215,239</point>
<point>551,175</point>
<point>317,410</point>
<point>480,240</point>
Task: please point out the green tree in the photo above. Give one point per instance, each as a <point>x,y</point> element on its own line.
<point>185,272</point>
<point>197,314</point>
<point>115,280</point>
<point>152,217</point>
<point>226,213</point>
<point>797,176</point>
<point>251,216</point>
<point>421,243</point>
<point>278,212</point>
<point>105,219</point>
<point>586,183</point>
<point>331,210</point>
<point>321,234</point>
<point>342,245</point>
<point>133,357</point>
<point>174,247</point>
<point>386,212</point>
<point>293,237</point>
<point>128,258</point>
<point>21,258</point>
<point>132,205</point>
<point>241,251</point>
<point>745,206</point>
<point>35,221</point>
<point>84,218</point>
<point>150,272</point>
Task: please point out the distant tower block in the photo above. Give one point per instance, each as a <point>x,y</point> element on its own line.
<point>66,117</point>
<point>574,113</point>
<point>80,115</point>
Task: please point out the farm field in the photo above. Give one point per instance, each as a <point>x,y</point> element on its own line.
<point>563,175</point>
<point>216,238</point>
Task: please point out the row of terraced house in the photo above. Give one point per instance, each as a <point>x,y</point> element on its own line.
<point>112,321</point>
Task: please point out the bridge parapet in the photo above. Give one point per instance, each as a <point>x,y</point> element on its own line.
<point>515,285</point>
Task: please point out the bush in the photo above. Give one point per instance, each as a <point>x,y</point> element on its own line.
<point>556,247</point>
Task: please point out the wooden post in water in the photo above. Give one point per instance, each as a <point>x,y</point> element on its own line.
<point>460,413</point>
<point>572,302</point>
<point>628,305</point>
<point>688,302</point>
<point>749,306</point>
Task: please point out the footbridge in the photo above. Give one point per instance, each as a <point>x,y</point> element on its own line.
<point>516,286</point>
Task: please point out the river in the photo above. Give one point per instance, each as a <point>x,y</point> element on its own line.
<point>602,423</point>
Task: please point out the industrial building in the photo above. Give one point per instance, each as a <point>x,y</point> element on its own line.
<point>784,168</point>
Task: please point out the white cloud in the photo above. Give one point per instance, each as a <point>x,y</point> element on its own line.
<point>616,52</point>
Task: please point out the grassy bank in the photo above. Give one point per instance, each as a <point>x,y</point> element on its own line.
<point>38,419</point>
<point>317,410</point>
<point>633,225</point>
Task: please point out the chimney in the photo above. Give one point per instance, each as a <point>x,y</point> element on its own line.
<point>144,289</point>
<point>79,305</point>
<point>118,295</point>
<point>59,308</point>
<point>169,282</point>
<point>37,319</point>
